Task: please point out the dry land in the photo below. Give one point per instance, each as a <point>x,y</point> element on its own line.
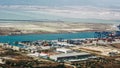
<point>51,27</point>
<point>15,59</point>
<point>116,45</point>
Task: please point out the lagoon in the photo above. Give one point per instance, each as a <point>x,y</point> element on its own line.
<point>35,37</point>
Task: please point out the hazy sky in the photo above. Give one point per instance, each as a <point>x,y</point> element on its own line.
<point>98,3</point>
<point>71,9</point>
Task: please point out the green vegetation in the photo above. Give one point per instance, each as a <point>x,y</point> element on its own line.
<point>9,52</point>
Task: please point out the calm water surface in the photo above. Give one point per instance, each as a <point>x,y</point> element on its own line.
<point>34,37</point>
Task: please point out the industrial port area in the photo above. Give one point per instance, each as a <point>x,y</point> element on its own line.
<point>102,51</point>
<point>59,33</point>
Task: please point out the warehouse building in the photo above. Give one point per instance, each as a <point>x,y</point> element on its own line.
<point>71,56</point>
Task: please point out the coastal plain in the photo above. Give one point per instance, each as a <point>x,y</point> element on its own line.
<point>51,27</point>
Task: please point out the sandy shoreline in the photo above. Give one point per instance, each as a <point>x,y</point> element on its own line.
<point>49,27</point>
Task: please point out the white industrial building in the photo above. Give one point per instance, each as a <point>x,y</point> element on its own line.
<point>34,54</point>
<point>64,50</point>
<point>64,44</point>
<point>43,55</point>
<point>71,56</point>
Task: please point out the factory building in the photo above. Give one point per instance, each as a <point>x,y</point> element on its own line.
<point>71,56</point>
<point>64,50</point>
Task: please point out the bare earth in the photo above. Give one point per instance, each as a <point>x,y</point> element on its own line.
<point>50,27</point>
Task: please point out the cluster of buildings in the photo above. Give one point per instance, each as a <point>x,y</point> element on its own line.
<point>63,55</point>
<point>59,51</point>
<point>62,50</point>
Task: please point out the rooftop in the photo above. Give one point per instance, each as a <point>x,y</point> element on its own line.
<point>70,54</point>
